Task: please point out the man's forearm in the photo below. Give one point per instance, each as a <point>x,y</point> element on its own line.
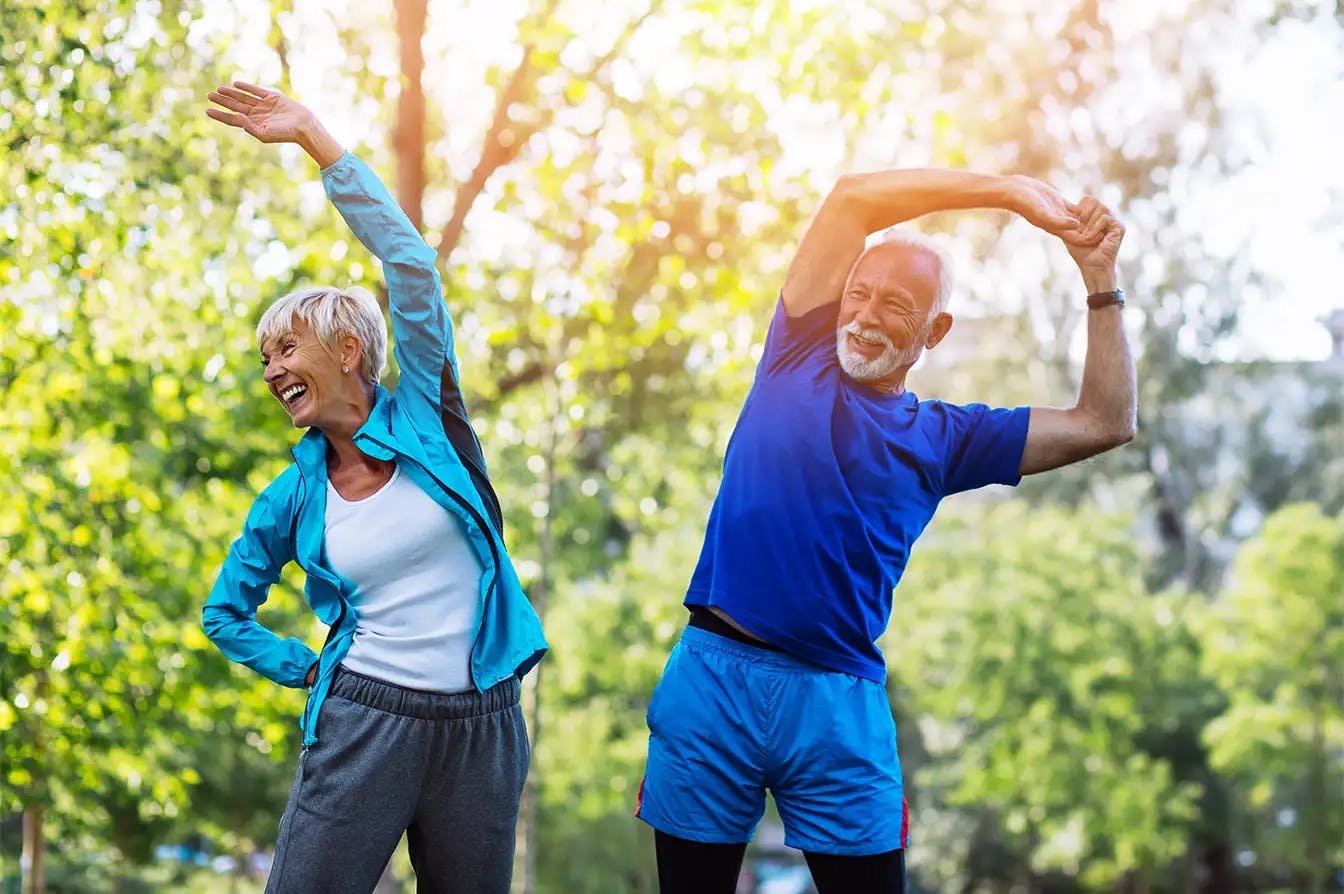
<point>886,198</point>
<point>1100,280</point>
<point>1109,393</point>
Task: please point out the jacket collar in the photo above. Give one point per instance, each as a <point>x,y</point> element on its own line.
<point>310,454</point>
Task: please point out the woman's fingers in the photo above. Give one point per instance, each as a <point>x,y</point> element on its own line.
<point>229,102</point>
<point>239,95</point>
<point>242,122</point>
<point>258,92</point>
<point>247,108</point>
<point>228,118</point>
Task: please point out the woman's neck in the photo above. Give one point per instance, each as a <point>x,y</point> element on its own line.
<point>340,433</point>
<point>341,451</point>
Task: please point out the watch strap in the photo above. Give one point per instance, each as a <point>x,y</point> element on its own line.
<point>1105,299</point>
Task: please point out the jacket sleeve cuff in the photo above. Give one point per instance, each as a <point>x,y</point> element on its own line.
<point>341,164</point>
<point>296,669</point>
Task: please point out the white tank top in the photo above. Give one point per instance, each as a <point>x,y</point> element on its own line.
<point>417,595</point>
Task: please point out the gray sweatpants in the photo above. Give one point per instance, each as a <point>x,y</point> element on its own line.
<point>446,769</point>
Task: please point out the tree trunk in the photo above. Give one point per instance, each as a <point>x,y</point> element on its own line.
<point>408,138</point>
<point>1318,865</point>
<point>1220,874</point>
<point>505,137</point>
<point>32,865</point>
<point>280,44</point>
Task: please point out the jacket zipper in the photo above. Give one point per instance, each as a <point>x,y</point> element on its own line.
<point>331,634</point>
<point>332,630</point>
<point>476,516</point>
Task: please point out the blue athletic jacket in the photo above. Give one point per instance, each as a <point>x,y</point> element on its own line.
<point>424,427</point>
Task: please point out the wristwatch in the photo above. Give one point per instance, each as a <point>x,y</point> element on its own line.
<point>1106,299</point>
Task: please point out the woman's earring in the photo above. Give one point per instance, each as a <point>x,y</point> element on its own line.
<point>345,369</point>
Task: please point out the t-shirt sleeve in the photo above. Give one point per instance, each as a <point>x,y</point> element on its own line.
<point>982,445</point>
<point>795,341</point>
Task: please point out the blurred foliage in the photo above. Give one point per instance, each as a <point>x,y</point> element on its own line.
<point>1089,700</point>
<point>1057,703</point>
<point>1274,645</point>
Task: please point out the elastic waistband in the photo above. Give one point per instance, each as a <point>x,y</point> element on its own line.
<point>704,618</point>
<point>395,699</point>
<point>699,638</point>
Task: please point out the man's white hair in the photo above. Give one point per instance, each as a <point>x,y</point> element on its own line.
<point>333,313</point>
<point>900,236</point>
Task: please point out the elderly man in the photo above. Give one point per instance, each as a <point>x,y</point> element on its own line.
<point>831,474</point>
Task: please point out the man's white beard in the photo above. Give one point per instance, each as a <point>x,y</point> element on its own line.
<point>884,364</point>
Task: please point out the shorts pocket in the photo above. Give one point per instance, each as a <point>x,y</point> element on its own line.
<point>662,691</point>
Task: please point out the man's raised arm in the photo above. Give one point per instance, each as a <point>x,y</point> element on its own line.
<point>860,204</point>
<point>1106,413</point>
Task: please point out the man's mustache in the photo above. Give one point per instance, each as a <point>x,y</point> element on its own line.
<point>853,328</point>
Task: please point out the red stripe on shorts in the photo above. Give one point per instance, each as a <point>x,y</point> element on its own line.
<point>905,819</point>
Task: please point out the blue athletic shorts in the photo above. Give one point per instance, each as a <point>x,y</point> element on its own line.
<point>729,720</point>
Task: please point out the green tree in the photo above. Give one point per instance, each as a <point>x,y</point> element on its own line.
<point>1043,683</point>
<point>1274,644</point>
<point>655,168</point>
<point>133,436</point>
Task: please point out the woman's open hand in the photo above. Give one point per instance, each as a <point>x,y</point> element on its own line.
<point>272,117</point>
<point>268,115</point>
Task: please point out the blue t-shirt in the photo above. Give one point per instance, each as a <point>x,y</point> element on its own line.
<point>826,485</point>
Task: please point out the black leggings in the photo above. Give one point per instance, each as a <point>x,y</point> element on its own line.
<point>694,867</point>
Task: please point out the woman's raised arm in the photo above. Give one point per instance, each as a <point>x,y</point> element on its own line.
<point>421,328</point>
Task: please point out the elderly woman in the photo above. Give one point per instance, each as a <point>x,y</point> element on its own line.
<point>413,721</point>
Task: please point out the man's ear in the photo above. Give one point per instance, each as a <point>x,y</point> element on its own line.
<point>942,324</point>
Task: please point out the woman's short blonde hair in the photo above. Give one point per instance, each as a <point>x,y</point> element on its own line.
<point>333,313</point>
